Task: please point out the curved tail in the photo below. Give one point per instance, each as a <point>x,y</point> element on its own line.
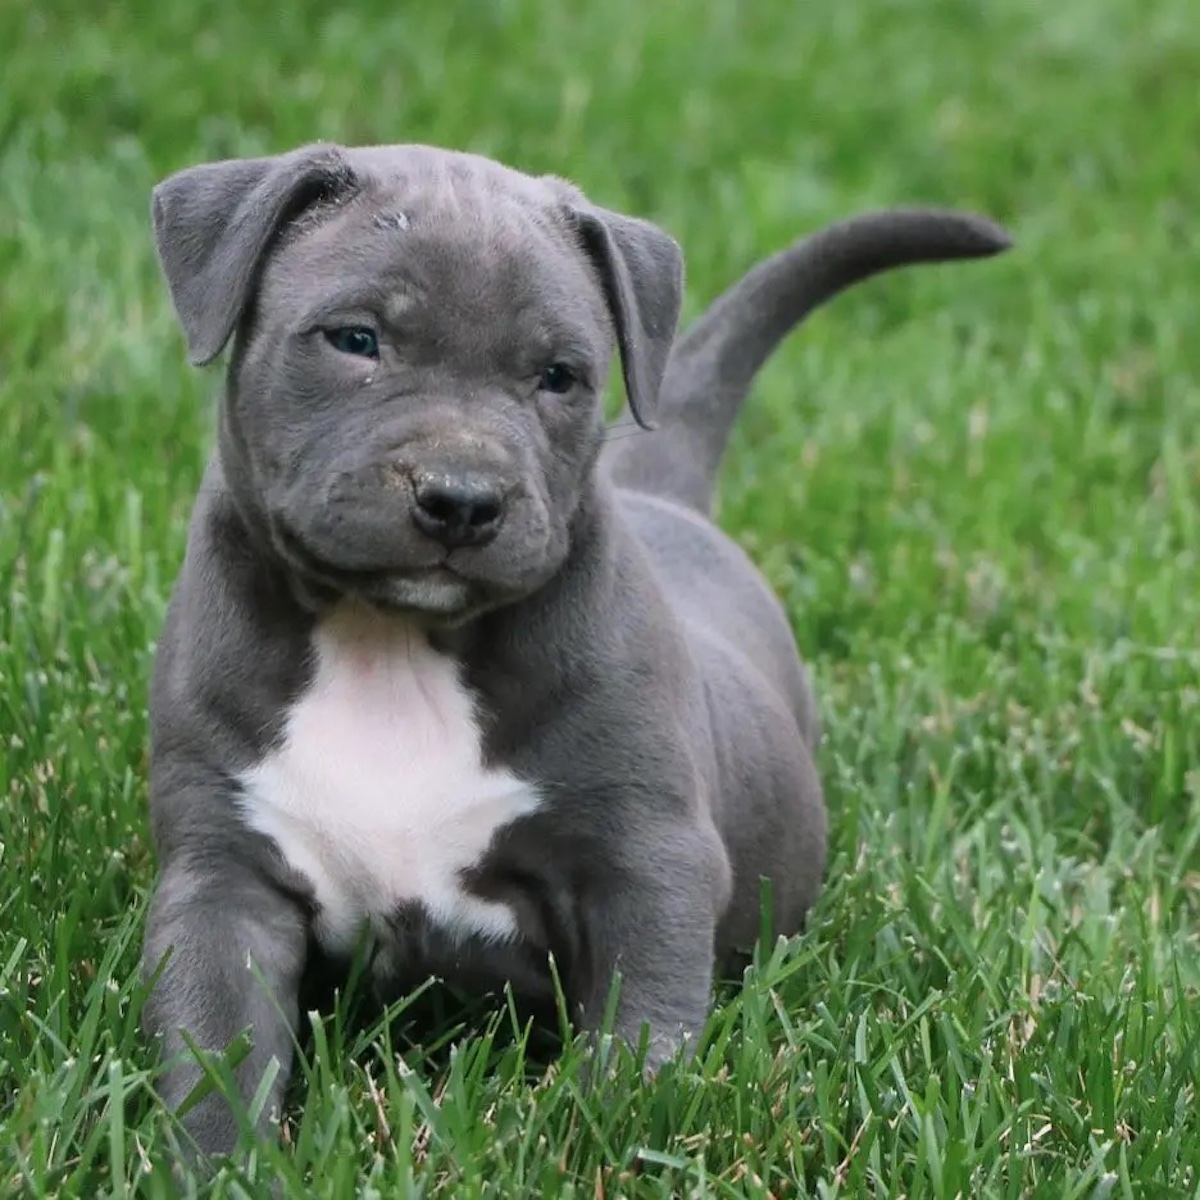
<point>713,364</point>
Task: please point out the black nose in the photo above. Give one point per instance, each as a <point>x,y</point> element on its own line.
<point>457,510</point>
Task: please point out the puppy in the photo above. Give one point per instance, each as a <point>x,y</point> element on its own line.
<point>441,668</point>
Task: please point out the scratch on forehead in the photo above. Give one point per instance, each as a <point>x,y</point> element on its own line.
<point>392,219</point>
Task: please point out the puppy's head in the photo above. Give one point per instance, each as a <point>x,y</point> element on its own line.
<point>421,338</point>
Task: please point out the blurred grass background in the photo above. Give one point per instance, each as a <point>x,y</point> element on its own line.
<point>976,487</point>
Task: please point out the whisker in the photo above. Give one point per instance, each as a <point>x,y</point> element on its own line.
<point>621,432</point>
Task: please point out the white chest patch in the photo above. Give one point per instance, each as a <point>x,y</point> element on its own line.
<point>378,793</point>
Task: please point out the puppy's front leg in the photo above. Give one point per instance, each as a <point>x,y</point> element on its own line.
<point>656,926</point>
<point>235,949</point>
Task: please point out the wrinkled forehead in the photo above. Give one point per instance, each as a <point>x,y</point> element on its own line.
<point>459,245</point>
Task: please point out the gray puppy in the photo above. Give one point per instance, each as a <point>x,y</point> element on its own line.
<point>442,668</point>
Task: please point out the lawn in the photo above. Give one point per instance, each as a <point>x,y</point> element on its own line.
<point>976,486</point>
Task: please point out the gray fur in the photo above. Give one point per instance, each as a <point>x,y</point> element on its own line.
<point>624,653</point>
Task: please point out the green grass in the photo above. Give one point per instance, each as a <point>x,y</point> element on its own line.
<point>976,487</point>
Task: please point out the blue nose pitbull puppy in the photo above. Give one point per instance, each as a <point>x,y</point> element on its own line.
<point>442,668</point>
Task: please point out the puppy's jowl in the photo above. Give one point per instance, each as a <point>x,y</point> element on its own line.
<point>440,663</point>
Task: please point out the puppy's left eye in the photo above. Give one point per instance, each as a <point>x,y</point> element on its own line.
<point>357,340</point>
<point>556,378</point>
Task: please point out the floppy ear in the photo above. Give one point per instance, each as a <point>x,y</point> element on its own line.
<point>213,222</point>
<point>641,268</point>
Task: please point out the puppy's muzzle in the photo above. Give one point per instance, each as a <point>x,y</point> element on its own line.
<point>458,509</point>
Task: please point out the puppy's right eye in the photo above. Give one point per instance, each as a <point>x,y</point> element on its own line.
<point>556,378</point>
<point>356,340</point>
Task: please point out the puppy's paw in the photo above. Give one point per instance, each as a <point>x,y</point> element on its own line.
<point>614,1057</point>
<point>664,1049</point>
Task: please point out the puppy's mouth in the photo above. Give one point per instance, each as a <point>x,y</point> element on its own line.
<point>434,587</point>
<point>433,592</point>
